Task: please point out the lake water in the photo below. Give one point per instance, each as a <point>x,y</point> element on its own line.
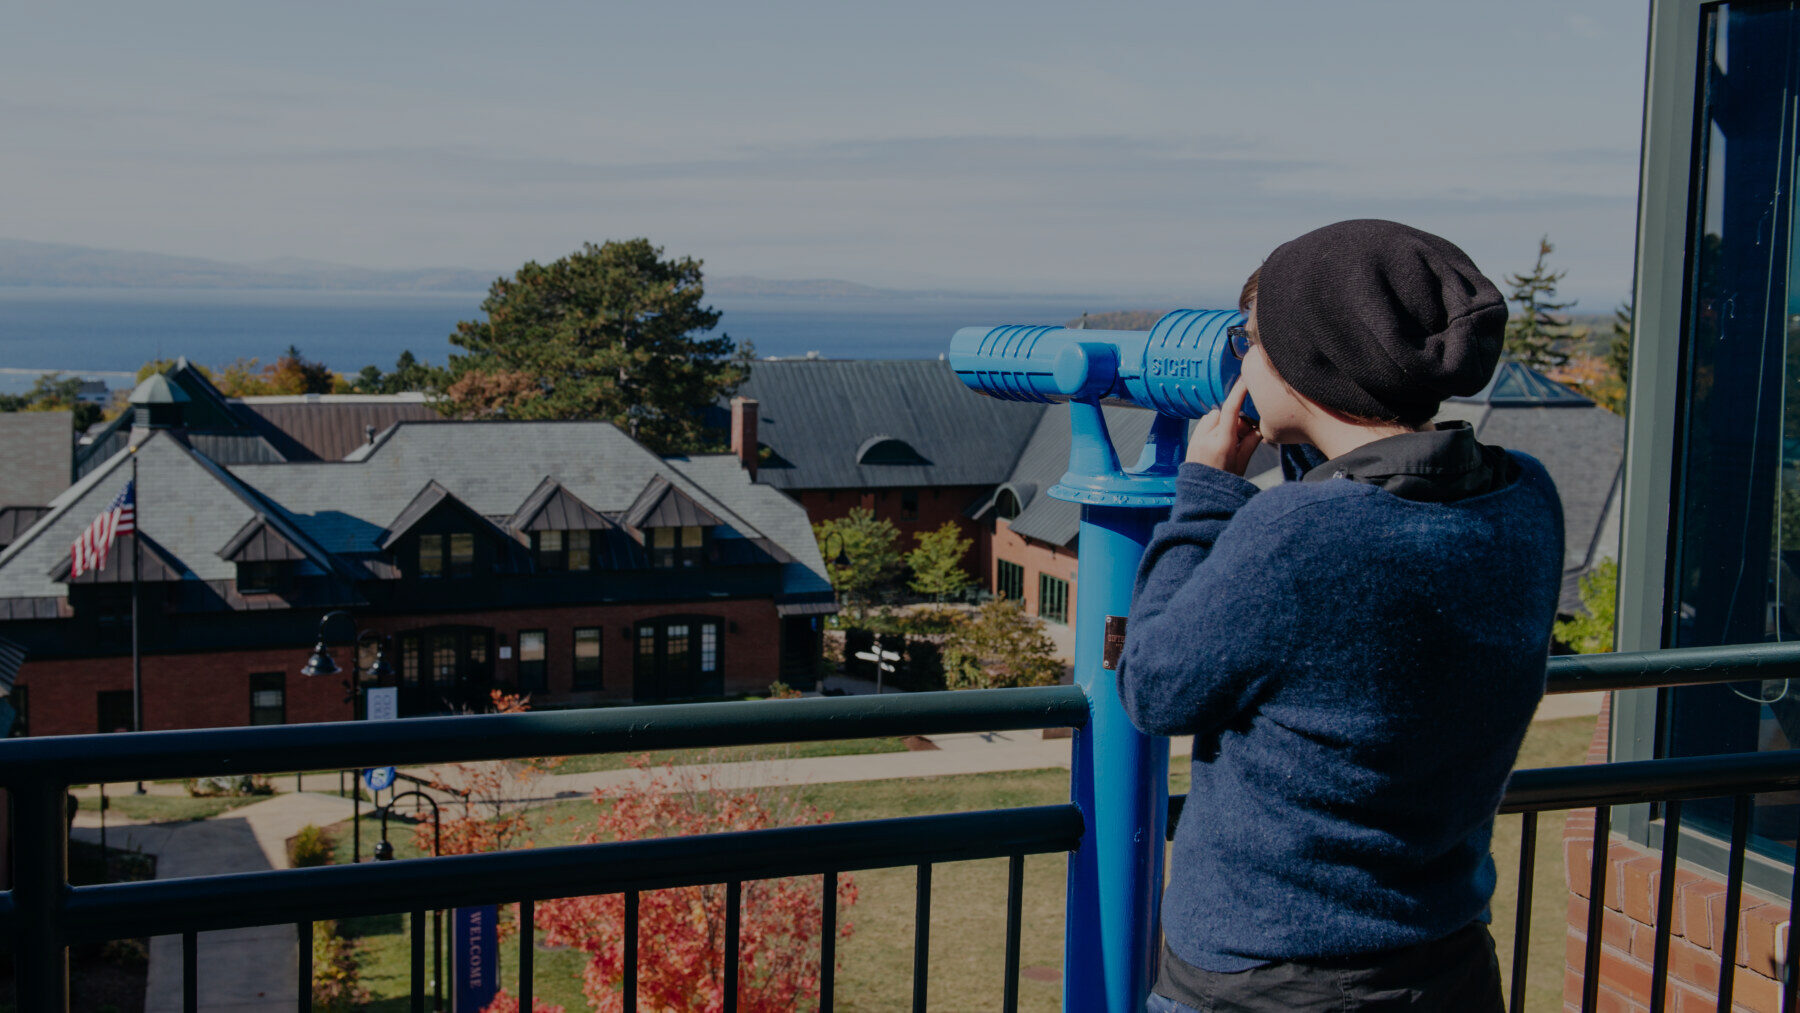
<point>99,332</point>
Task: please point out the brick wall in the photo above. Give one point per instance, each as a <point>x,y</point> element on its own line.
<point>1628,925</point>
<point>1036,558</point>
<point>200,690</point>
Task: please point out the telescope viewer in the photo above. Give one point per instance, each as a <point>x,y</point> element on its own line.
<point>1358,650</point>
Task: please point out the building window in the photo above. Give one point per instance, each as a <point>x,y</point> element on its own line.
<point>534,671</point>
<point>677,650</point>
<point>709,647</point>
<point>260,578</point>
<point>268,698</point>
<point>1010,581</point>
<point>431,555</point>
<point>115,711</point>
<point>587,657</point>
<point>1053,598</point>
<point>1006,505</point>
<point>909,504</point>
<point>19,698</point>
<point>409,660</point>
<point>549,550</point>
<point>462,554</point>
<point>672,547</point>
<point>562,550</point>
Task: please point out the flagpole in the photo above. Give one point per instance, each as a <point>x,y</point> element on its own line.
<point>137,661</point>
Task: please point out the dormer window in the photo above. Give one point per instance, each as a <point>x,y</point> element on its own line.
<point>556,551</point>
<point>447,555</point>
<point>681,547</point>
<point>261,577</point>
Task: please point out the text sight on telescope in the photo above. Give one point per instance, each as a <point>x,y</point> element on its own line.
<point>1182,367</point>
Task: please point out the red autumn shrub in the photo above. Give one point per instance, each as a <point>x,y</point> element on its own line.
<point>681,932</point>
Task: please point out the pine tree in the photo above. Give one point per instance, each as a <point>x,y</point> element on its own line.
<point>609,332</point>
<point>1536,334</point>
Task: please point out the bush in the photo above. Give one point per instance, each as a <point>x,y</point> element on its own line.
<point>1000,646</point>
<point>1592,633</point>
<point>335,987</point>
<point>779,690</point>
<point>311,847</point>
<point>230,786</point>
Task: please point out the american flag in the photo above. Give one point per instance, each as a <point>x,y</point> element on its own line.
<point>90,550</point>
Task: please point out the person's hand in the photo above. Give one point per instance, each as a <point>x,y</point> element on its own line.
<point>1224,438</point>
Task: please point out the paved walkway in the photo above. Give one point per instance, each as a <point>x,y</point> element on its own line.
<point>241,970</point>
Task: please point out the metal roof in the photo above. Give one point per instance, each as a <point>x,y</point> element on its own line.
<point>16,520</point>
<point>327,429</point>
<point>550,507</point>
<point>259,542</point>
<point>428,500</point>
<point>661,505</point>
<point>820,416</point>
<point>133,555</point>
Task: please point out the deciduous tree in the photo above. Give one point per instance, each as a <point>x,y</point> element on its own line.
<point>936,562</point>
<point>609,332</point>
<point>999,646</point>
<point>869,544</point>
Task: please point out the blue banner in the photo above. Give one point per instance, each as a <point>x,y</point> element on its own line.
<point>476,956</point>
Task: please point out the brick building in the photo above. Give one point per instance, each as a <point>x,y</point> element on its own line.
<point>559,559</point>
<point>909,441</point>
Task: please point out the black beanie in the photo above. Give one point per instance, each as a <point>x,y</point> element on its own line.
<point>1378,320</point>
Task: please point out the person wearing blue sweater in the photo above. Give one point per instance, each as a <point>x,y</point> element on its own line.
<point>1356,651</point>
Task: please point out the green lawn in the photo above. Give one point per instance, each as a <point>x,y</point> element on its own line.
<point>732,754</point>
<point>169,808</point>
<point>968,913</point>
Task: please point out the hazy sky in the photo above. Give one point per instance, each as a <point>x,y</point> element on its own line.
<point>1142,149</point>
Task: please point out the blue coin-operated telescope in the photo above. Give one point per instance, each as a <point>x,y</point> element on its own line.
<point>1181,369</point>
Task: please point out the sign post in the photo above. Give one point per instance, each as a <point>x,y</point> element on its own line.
<point>883,663</point>
<point>476,956</point>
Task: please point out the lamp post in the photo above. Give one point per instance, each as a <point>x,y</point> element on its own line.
<point>384,852</point>
<point>320,665</point>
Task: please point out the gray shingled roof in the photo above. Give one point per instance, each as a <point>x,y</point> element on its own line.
<point>818,415</point>
<point>37,450</point>
<point>195,508</point>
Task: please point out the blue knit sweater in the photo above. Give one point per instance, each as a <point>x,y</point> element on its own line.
<point>1358,671</point>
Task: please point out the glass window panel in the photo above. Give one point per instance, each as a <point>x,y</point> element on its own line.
<point>663,538</point>
<point>478,648</point>
<point>1053,598</point>
<point>587,657</point>
<point>676,648</point>
<point>431,555</point>
<point>409,660</point>
<point>693,544</point>
<point>579,556</point>
<point>268,698</point>
<point>443,659</point>
<point>549,550</point>
<point>462,554</point>
<point>533,668</point>
<point>1736,541</point>
<point>709,647</point>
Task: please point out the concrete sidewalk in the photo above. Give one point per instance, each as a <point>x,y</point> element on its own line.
<point>241,970</point>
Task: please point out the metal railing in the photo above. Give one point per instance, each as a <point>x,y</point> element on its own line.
<point>43,914</point>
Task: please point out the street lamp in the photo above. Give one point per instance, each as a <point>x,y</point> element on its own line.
<point>842,561</point>
<point>384,852</point>
<point>320,664</point>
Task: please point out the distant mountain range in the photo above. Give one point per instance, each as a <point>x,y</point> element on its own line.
<point>27,264</point>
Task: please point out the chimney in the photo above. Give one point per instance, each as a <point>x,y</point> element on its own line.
<point>743,432</point>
